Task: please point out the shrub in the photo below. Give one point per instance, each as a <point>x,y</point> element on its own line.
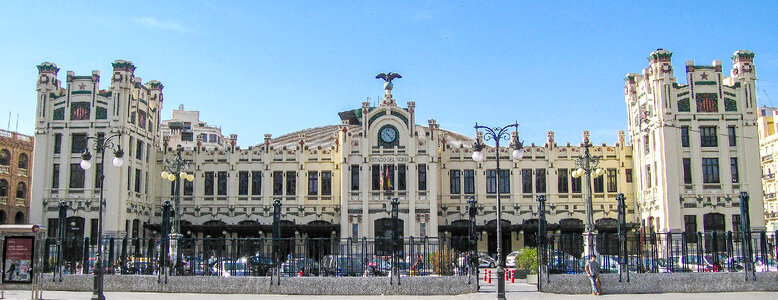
<point>527,260</point>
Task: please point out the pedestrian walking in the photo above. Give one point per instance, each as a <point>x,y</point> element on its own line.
<point>593,272</point>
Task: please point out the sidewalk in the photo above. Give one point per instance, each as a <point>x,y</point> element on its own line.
<point>513,291</point>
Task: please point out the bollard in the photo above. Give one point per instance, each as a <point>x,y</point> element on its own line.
<point>507,276</point>
<point>490,277</point>
<point>300,274</point>
<point>486,274</point>
<point>513,276</point>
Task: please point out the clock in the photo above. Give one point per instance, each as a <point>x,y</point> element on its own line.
<point>388,134</point>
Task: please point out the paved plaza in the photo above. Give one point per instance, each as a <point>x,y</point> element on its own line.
<point>513,291</point>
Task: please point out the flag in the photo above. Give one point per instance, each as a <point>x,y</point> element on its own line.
<point>388,180</point>
<point>382,179</point>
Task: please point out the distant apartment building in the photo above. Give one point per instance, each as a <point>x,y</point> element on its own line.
<point>186,129</point>
<point>768,150</point>
<point>15,177</point>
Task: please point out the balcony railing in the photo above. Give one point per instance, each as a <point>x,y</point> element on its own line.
<point>21,172</point>
<point>4,200</point>
<point>768,176</point>
<point>4,169</point>
<point>767,157</point>
<point>769,196</point>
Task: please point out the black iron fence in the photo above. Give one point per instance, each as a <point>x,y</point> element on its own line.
<point>261,257</point>
<point>664,252</point>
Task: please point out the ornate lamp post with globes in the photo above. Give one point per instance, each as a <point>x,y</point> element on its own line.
<point>587,164</point>
<point>101,144</point>
<point>497,134</point>
<point>175,170</point>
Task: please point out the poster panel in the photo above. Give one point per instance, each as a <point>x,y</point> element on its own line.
<point>18,255</point>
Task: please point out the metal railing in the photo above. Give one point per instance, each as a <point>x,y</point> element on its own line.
<point>715,251</point>
<point>285,257</point>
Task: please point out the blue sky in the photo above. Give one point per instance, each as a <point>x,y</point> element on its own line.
<point>258,67</point>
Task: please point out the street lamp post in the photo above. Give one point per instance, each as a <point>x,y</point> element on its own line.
<point>497,134</point>
<point>101,144</point>
<point>587,164</point>
<point>472,239</point>
<point>394,240</point>
<point>175,170</point>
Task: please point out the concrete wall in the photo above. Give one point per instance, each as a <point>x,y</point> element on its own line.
<point>261,285</point>
<point>662,283</point>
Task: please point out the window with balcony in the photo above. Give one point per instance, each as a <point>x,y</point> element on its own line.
<point>21,191</point>
<point>23,161</point>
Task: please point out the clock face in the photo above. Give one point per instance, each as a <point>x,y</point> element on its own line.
<point>388,134</point>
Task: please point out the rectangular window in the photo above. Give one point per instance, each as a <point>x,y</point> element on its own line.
<point>313,183</point>
<point>422,177</point>
<point>376,177</point>
<point>648,176</point>
<point>526,181</point>
<point>326,183</point>
<point>55,176</point>
<point>628,175</point>
<point>291,183</point>
<point>208,184</point>
<point>687,170</point>
<point>401,178</point>
<point>598,184</point>
<point>708,136</point>
<point>562,185</point>
<point>732,137</point>
<point>491,181</point>
<point>139,150</point>
<point>188,187</point>
<point>613,185</point>
<point>243,183</point>
<point>736,223</point>
<point>129,178</point>
<point>646,146</point>
<point>575,185</point>
<point>76,176</point>
<point>540,181</point>
<point>278,182</point>
<point>57,143</point>
<point>455,182</point>
<point>187,136</point>
<point>172,188</point>
<point>355,231</point>
<point>222,187</point>
<point>354,177</point>
<point>685,136</point>
<point>469,176</point>
<point>733,169</point>
<point>690,228</point>
<point>256,183</point>
<point>505,181</point>
<point>79,143</point>
<point>710,170</point>
<point>93,231</point>
<point>138,180</point>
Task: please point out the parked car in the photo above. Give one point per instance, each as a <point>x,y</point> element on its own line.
<point>259,265</point>
<point>379,266</point>
<point>510,260</point>
<point>341,266</point>
<point>232,268</point>
<point>293,267</point>
<point>486,261</point>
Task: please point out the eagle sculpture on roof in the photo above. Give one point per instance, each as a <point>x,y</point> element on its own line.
<point>388,76</point>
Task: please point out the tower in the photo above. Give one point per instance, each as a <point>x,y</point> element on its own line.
<point>695,144</point>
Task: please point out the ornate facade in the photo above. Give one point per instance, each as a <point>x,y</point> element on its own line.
<point>768,144</point>
<point>15,177</point>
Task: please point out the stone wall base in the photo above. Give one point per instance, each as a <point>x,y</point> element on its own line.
<point>422,285</point>
<point>649,283</point>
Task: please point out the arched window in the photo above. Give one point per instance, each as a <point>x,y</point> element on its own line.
<point>21,191</point>
<point>3,188</point>
<point>23,161</point>
<point>19,218</point>
<point>5,157</point>
<point>2,217</point>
